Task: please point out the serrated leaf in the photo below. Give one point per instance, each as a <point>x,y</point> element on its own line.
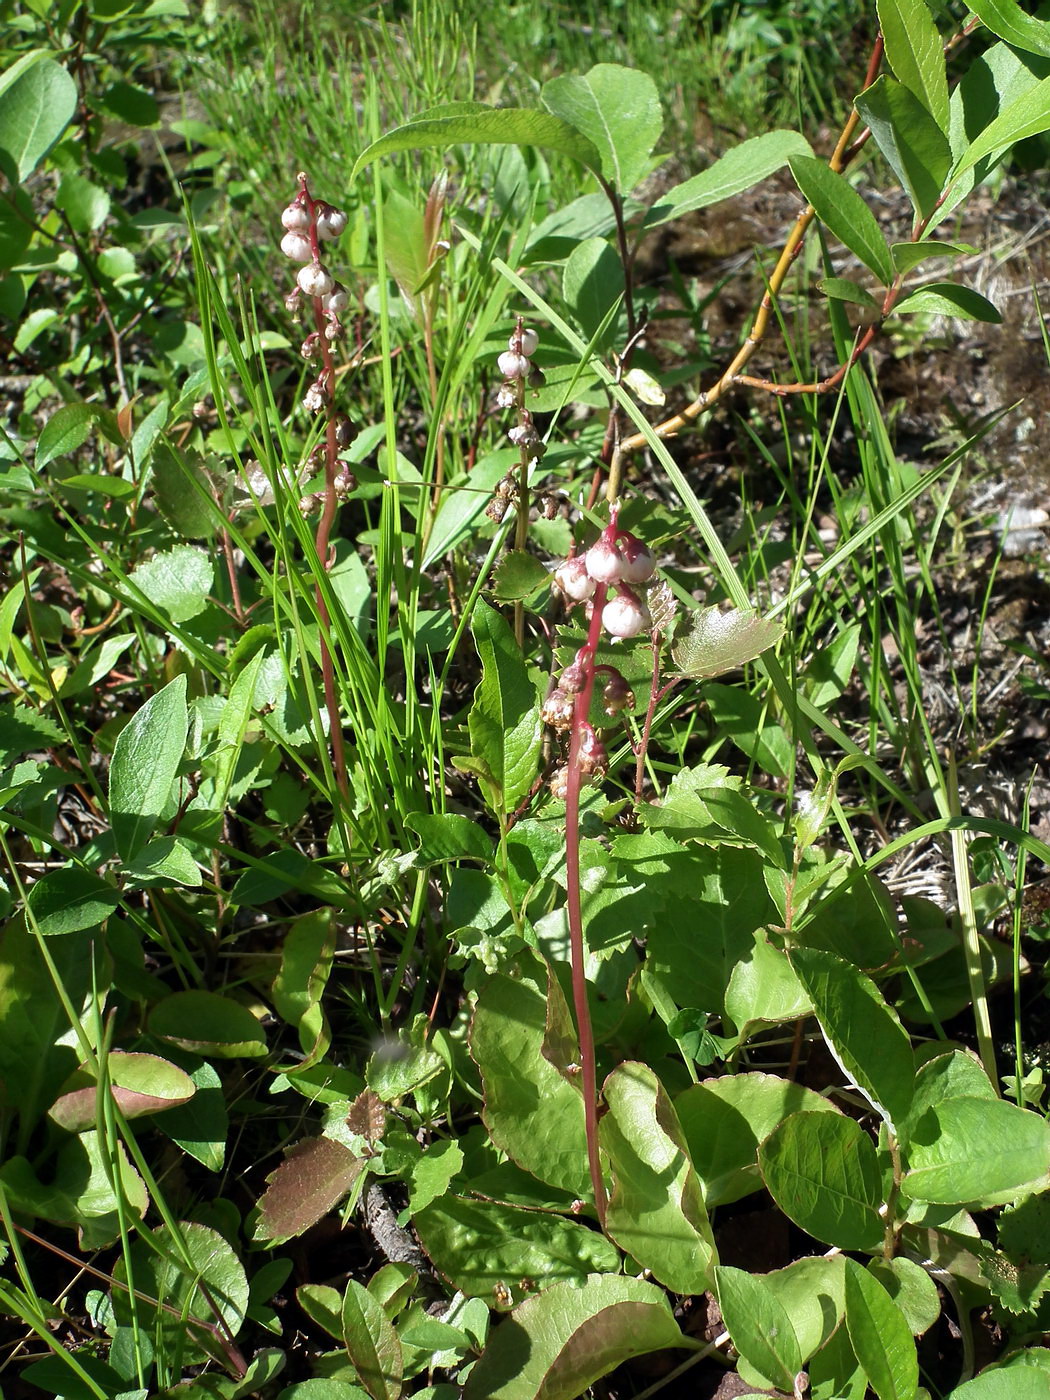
<point>841,209</point>
<point>618,111</point>
<point>915,146</point>
<point>556,1345</point>
<point>717,642</point>
<point>745,165</point>
<point>315,1176</point>
<point>478,123</point>
<point>145,760</point>
<point>949,299</point>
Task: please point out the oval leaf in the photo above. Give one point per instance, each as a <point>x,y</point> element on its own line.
<point>209,1024</point>
<point>139,1084</point>
<point>745,165</point>
<point>977,1150</point>
<point>759,1325</point>
<point>823,1173</point>
<point>841,209</point>
<point>717,642</point>
<point>145,760</point>
<point>315,1176</point>
<point>618,110</point>
<point>371,1343</point>
<point>558,1344</point>
<point>949,299</point>
<point>35,109</point>
<point>70,900</point>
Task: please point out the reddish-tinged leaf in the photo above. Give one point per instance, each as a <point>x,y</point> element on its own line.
<point>315,1176</point>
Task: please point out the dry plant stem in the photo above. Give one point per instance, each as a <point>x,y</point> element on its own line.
<point>792,247</point>
<point>580,726</point>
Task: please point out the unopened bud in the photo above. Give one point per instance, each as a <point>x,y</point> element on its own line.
<point>603,561</point>
<point>296,246</point>
<point>512,365</point>
<point>330,221</point>
<point>315,280</point>
<point>638,562</point>
<point>295,218</point>
<point>617,695</point>
<point>529,342</point>
<point>337,300</point>
<point>624,616</point>
<point>574,580</point>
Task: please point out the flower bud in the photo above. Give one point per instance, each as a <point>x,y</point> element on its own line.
<point>338,299</point>
<point>638,562</point>
<point>529,342</point>
<point>315,280</point>
<point>512,365</point>
<point>316,397</point>
<point>625,616</point>
<point>330,221</point>
<point>617,695</point>
<point>574,580</point>
<point>603,561</point>
<point>346,430</point>
<point>296,246</point>
<point>295,217</point>
<point>573,678</point>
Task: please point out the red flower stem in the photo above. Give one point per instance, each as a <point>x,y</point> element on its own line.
<point>581,1005</point>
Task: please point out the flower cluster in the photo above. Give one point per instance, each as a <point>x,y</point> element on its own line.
<point>617,559</point>
<point>308,223</point>
<point>515,364</point>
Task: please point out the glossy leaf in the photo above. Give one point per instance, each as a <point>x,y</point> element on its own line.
<point>371,1343</point>
<point>209,1024</point>
<point>200,1126</point>
<point>70,900</point>
<point>496,1252</point>
<point>472,122</point>
<point>861,1031</point>
<point>977,1150</point>
<point>1020,1377</point>
<point>880,1336</point>
<point>763,988</point>
<point>740,168</point>
<point>915,146</point>
<point>759,1325</point>
<point>145,761</point>
<point>504,721</point>
<point>531,1110</point>
<point>1006,19</point>
<point>841,209</point>
<point>912,1289</point>
<point>67,429</point>
<point>38,100</point>
<point>306,961</point>
<point>724,1120</point>
<point>949,299</point>
<point>822,1171</point>
<point>139,1084</point>
<point>915,52</point>
<point>1027,115</point>
<point>717,642</point>
<point>656,1210</point>
<point>617,110</point>
<point>592,284</point>
<point>554,1346</point>
<point>842,289</point>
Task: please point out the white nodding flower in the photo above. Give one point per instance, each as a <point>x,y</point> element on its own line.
<point>295,218</point>
<point>296,246</point>
<point>624,616</point>
<point>529,342</point>
<point>315,280</point>
<point>574,580</point>
<point>336,300</point>
<point>513,365</point>
<point>604,562</point>
<point>638,562</point>
<point>330,222</point>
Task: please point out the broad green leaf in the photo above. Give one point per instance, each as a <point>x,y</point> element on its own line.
<point>977,1150</point>
<point>842,289</point>
<point>717,642</point>
<point>915,146</point>
<point>915,52</point>
<point>67,429</point>
<point>200,1126</point>
<point>504,721</point>
<point>1028,115</point>
<point>404,1063</point>
<point>323,1388</point>
<point>745,165</point>
<point>464,500</point>
<point>306,961</point>
<point>909,255</point>
<point>856,919</point>
<point>433,1173</point>
<point>517,576</point>
<point>145,761</point>
<point>138,1083</point>
<point>617,110</point>
<point>860,1029</point>
<point>531,1110</point>
<point>957,1075</point>
<point>449,836</point>
<point>516,126</point>
<point>85,204</point>
<point>554,1346</point>
<point>746,720</point>
<point>312,1179</point>
<point>949,299</point>
<point>1006,19</point>
<point>880,1336</point>
<point>164,860</point>
<point>703,932</point>
<point>70,900</point>
<point>177,582</point>
<point>200,1280</point>
<point>656,1211</point>
<point>763,988</point>
<point>501,1252</point>
<point>208,1024</point>
<point>371,1343</point>
<point>84,1178</point>
<point>759,1325</point>
<point>38,100</point>
<point>822,1171</point>
<point>841,209</point>
<point>811,1291</point>
<point>322,1304</point>
<point>912,1289</point>
<point>592,284</point>
<point>1020,1377</point>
